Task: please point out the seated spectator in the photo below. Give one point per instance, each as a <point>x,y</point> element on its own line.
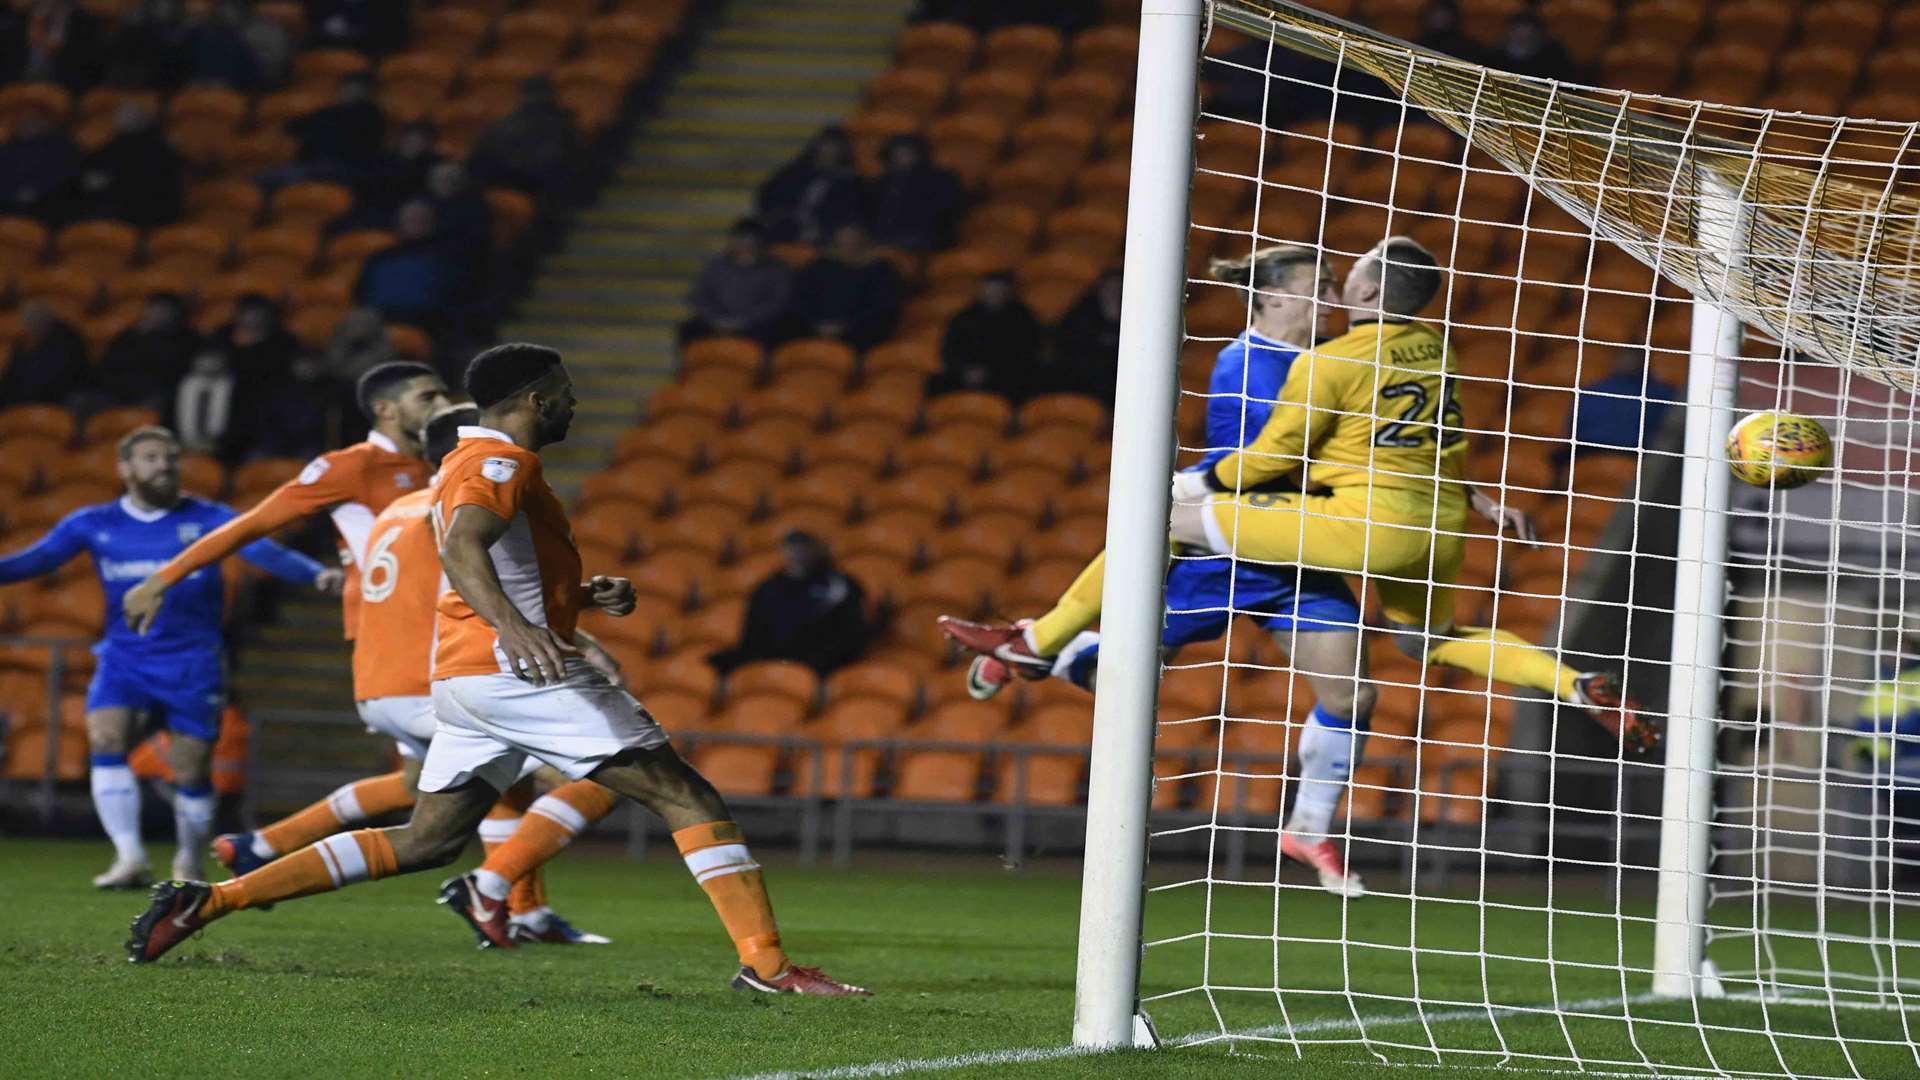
<point>531,148</point>
<point>991,346</point>
<point>849,293</point>
<point>1086,345</point>
<point>988,15</point>
<point>1531,49</point>
<point>421,278</point>
<point>38,167</point>
<point>814,194</point>
<point>238,48</point>
<point>359,345</point>
<point>47,362</point>
<point>257,348</point>
<point>807,611</point>
<point>1440,31</point>
<point>461,213</point>
<point>399,176</point>
<point>370,26</point>
<point>152,49</point>
<point>742,290</point>
<point>1623,410</point>
<point>914,203</point>
<point>342,141</point>
<point>136,176</point>
<point>203,406</point>
<point>54,41</point>
<point>146,361</point>
<point>295,419</point>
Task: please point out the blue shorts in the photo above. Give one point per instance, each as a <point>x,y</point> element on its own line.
<point>1280,599</point>
<point>185,692</point>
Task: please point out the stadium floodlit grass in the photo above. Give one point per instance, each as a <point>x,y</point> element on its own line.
<point>376,981</point>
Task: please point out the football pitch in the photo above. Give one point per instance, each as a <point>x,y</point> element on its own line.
<point>972,968</point>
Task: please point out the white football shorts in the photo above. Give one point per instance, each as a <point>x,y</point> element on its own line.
<point>408,721</point>
<point>489,725</point>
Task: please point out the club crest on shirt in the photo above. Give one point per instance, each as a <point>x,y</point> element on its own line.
<point>188,532</point>
<point>498,469</point>
<point>315,469</point>
<point>404,480</point>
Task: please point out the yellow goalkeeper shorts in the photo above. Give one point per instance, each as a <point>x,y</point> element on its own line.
<point>1408,548</point>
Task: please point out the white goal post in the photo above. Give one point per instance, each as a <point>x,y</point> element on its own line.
<point>1733,904</point>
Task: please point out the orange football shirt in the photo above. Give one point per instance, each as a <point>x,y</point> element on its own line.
<point>538,565</point>
<point>399,590</point>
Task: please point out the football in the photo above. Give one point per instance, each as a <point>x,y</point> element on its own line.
<point>1778,450</point>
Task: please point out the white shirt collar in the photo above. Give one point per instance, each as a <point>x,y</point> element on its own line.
<point>476,432</point>
<point>1255,337</point>
<point>135,512</point>
<point>383,442</point>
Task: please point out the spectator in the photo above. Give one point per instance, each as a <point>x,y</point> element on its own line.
<point>849,293</point>
<point>345,140</point>
<point>146,361</point>
<point>990,346</point>
<point>420,278</point>
<point>136,176</point>
<point>269,42</point>
<point>47,362</point>
<point>38,167</point>
<point>204,405</point>
<point>914,202</point>
<point>1440,31</point>
<point>297,418</point>
<point>232,47</point>
<point>814,194</point>
<point>258,350</point>
<point>1086,345</point>
<point>370,26</point>
<point>360,344</point>
<point>531,148</point>
<point>153,48</point>
<point>56,41</point>
<point>464,219</point>
<point>807,611</point>
<point>988,15</point>
<point>1530,49</point>
<point>399,176</point>
<point>742,290</point>
<point>1625,409</point>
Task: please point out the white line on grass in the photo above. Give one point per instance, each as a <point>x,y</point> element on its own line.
<point>1029,1054</point>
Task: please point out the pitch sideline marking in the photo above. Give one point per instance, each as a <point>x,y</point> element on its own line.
<point>1030,1054</point>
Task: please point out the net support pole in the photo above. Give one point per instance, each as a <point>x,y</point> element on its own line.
<point>1106,984</point>
<point>1699,631</point>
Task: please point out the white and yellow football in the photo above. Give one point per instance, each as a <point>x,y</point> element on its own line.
<point>1779,450</point>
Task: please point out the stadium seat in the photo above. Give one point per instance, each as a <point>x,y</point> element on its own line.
<point>640,485</point>
<point>676,710</point>
<point>932,450</point>
<point>930,491</point>
<point>964,584</point>
<point>871,128</point>
<point>937,46</point>
<point>1024,493</point>
<point>1074,539</point>
<point>837,488</point>
<point>709,527</point>
<point>865,444</point>
<point>715,626</point>
<point>968,143</point>
<point>917,92</point>
<point>680,439</point>
<point>875,680</point>
<point>742,353</point>
<point>685,672</point>
<point>100,247</point>
<point>1085,93</point>
<point>877,571</point>
<point>775,678</point>
<point>844,772</point>
<point>203,476</point>
<point>996,538</point>
<point>738,770</point>
<point>738,579</point>
<point>1032,51</point>
<point>42,422</point>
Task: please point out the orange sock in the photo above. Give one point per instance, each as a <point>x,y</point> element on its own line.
<point>337,861</point>
<point>350,804</point>
<point>500,824</point>
<point>550,825</point>
<point>717,854</point>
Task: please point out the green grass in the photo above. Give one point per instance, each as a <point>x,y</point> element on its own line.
<point>376,981</point>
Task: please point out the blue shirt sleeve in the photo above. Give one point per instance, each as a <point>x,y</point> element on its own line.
<point>49,553</point>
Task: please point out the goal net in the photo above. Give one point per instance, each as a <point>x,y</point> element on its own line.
<point>1623,276</point>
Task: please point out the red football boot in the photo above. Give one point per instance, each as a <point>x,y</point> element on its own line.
<point>798,980</point>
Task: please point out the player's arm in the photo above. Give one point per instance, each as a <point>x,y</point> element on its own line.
<point>289,565</point>
<point>534,653</point>
<point>1308,408</point>
<point>45,555</point>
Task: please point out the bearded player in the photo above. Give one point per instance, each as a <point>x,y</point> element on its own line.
<point>177,673</point>
<point>509,685</point>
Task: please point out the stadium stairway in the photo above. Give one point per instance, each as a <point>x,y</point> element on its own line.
<point>758,82</point>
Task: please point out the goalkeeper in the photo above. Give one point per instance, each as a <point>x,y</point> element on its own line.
<point>1369,418</point>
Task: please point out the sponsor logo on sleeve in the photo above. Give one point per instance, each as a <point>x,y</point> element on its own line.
<point>315,469</point>
<point>499,469</point>
<point>189,532</point>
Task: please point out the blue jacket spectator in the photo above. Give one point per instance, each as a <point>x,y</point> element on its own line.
<point>39,165</point>
<point>1624,410</point>
<point>419,278</point>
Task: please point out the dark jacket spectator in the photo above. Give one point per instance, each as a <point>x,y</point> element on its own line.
<point>531,148</point>
<point>1623,410</point>
<point>205,405</point>
<point>814,194</point>
<point>419,279</point>
<point>1440,31</point>
<point>146,361</point>
<point>1530,49</point>
<point>136,176</point>
<point>47,362</point>
<point>38,167</point>
<point>370,26</point>
<point>914,203</point>
<point>461,214</point>
<point>297,418</point>
<point>808,611</point>
<point>55,41</point>
<point>742,290</point>
<point>152,48</point>
<point>360,344</point>
<point>232,48</point>
<point>849,293</point>
<point>1086,345</point>
<point>398,177</point>
<point>258,349</point>
<point>346,139</point>
<point>991,346</point>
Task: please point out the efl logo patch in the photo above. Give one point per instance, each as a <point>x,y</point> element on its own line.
<point>404,480</point>
<point>315,469</point>
<point>189,532</point>
<point>499,469</point>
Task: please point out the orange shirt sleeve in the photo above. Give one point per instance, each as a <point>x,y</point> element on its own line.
<point>496,483</point>
<point>328,480</point>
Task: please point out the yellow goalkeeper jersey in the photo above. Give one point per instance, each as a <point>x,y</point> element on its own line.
<point>1372,407</point>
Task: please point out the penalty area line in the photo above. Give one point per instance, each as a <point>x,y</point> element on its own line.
<point>1030,1054</point>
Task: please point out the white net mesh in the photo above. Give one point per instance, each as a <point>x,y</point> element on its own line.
<point>1508,842</point>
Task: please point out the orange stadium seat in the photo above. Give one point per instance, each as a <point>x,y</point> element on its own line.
<point>320,69</point>
<point>738,770</point>
<point>775,679</point>
<point>866,444</point>
<point>540,37</point>
<point>640,486</point>
<point>46,422</point>
<point>931,490</point>
<point>994,537</point>
<point>916,92</point>
<point>877,571</point>
<point>709,527</point>
<point>939,46</point>
<point>814,354</point>
<point>848,772</point>
<point>674,575</point>
<point>967,142</point>
<point>737,483</point>
<point>872,679</point>
<point>1032,51</point>
<point>102,247</point>
<point>729,352</point>
<point>963,583</point>
<point>108,425</point>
